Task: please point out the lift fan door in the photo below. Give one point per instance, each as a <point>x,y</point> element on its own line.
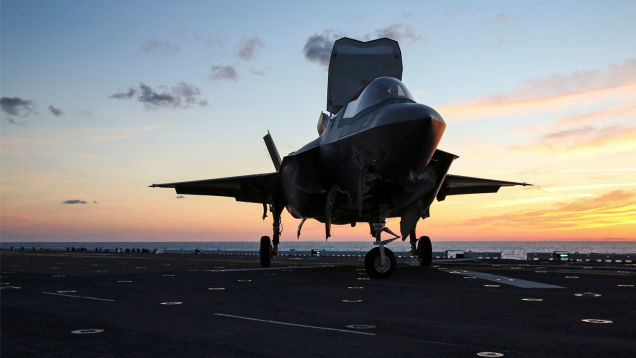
<point>354,64</point>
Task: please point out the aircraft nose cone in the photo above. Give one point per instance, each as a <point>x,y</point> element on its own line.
<point>411,133</point>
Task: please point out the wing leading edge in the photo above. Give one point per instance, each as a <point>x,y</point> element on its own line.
<point>256,188</point>
<point>456,184</point>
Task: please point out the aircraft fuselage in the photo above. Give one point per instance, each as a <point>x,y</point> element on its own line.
<point>362,164</point>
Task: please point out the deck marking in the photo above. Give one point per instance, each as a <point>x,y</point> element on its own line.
<point>361,326</point>
<point>267,268</point>
<point>504,280</point>
<point>73,296</point>
<point>294,324</point>
<point>597,321</point>
<point>587,294</point>
<point>87,331</point>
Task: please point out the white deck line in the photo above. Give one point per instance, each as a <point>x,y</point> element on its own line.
<point>503,279</point>
<point>85,297</point>
<point>294,324</point>
<point>267,268</point>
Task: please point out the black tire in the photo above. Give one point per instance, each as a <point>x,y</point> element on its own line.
<point>266,252</point>
<point>372,263</point>
<point>425,251</point>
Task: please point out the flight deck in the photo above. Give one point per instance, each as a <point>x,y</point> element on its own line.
<point>58,304</point>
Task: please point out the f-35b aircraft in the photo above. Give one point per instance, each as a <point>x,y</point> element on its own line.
<point>376,157</point>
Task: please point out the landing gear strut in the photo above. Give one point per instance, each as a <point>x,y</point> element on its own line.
<point>380,262</point>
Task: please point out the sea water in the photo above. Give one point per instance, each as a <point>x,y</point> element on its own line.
<point>508,249</point>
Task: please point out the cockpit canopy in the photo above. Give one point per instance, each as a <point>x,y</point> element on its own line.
<point>379,90</point>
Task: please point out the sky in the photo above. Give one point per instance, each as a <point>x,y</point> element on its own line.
<point>101,99</point>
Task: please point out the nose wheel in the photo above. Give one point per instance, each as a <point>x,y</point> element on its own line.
<point>380,262</point>
<point>377,267</point>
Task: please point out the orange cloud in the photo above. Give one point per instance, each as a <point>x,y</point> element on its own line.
<point>616,82</point>
<point>628,109</point>
<point>585,142</point>
<point>613,209</point>
<point>504,107</point>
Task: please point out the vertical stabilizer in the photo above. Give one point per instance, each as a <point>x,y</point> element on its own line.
<point>273,152</point>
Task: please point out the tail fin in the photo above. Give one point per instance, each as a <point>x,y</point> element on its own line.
<point>273,152</point>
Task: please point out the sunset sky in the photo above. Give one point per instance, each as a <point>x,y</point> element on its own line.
<point>102,98</point>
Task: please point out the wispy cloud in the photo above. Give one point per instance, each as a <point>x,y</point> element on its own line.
<point>318,46</point>
<point>623,110</point>
<point>55,111</point>
<point>399,32</point>
<point>583,142</point>
<point>500,18</point>
<point>488,108</point>
<point>615,82</point>
<point>249,48</point>
<point>74,202</point>
<point>613,114</point>
<point>570,133</point>
<point>227,73</point>
<point>260,72</point>
<point>16,107</point>
<point>153,99</point>
<point>613,75</point>
<point>84,112</point>
<point>161,46</point>
<point>122,133</point>
<point>212,42</point>
<point>123,95</point>
<point>180,95</point>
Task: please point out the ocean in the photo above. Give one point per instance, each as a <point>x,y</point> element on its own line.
<point>508,249</point>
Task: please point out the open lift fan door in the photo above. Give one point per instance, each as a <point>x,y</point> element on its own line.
<point>354,64</point>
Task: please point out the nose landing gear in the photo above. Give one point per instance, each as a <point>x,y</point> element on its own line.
<point>380,261</point>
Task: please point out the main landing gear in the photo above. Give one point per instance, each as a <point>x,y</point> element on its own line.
<point>424,251</point>
<point>266,252</point>
<point>380,261</point>
<point>422,248</point>
<point>267,248</point>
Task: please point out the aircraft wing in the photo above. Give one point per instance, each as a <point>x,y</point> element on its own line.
<point>254,188</point>
<point>456,184</point>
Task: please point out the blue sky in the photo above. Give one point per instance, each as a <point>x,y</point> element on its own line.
<point>75,55</point>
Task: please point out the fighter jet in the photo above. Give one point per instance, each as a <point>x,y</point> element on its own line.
<point>376,157</point>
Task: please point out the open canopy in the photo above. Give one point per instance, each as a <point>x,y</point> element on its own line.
<point>354,64</point>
